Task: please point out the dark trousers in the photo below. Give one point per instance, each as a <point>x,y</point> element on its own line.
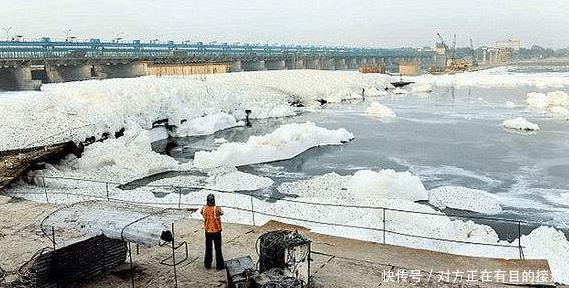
<point>214,238</point>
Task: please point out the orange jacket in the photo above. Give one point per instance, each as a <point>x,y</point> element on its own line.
<point>212,218</point>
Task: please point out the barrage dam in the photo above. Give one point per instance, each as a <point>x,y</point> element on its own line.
<point>25,65</point>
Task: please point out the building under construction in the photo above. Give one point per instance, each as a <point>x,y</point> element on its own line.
<point>450,59</point>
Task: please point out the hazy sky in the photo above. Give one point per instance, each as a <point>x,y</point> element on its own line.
<point>393,23</point>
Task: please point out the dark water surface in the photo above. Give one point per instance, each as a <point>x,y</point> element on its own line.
<point>449,137</point>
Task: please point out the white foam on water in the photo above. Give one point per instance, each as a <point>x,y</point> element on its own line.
<point>557,98</point>
<point>560,111</point>
<point>555,103</point>
<point>238,181</point>
<point>220,179</point>
<point>421,88</point>
<point>551,244</point>
<point>510,104</point>
<point>377,110</point>
<point>464,198</point>
<point>118,160</point>
<point>435,172</point>
<point>496,77</point>
<point>386,184</point>
<point>74,111</point>
<point>375,92</point>
<point>364,184</point>
<point>158,133</point>
<point>207,125</point>
<point>219,141</point>
<point>285,142</point>
<point>277,171</point>
<point>537,100</point>
<point>520,124</point>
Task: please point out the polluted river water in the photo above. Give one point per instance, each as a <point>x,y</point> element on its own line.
<point>450,137</point>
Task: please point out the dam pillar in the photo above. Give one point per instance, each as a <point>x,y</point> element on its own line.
<point>313,64</point>
<point>235,66</point>
<point>327,64</point>
<point>120,70</point>
<point>56,73</point>
<point>254,65</point>
<point>295,64</point>
<point>352,63</point>
<point>340,64</point>
<point>16,78</point>
<point>362,62</point>
<point>275,65</point>
<point>391,65</point>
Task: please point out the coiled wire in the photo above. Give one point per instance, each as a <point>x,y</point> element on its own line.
<point>271,247</point>
<point>279,280</point>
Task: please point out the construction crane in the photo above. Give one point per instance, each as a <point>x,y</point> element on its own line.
<point>442,41</point>
<point>474,62</point>
<point>453,43</point>
<point>453,62</point>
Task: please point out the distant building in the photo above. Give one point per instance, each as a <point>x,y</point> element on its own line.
<point>511,43</point>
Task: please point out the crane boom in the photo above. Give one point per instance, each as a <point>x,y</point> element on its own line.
<point>453,62</point>
<point>448,51</point>
<point>442,41</point>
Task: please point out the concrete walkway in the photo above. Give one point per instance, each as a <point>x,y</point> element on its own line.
<point>337,262</point>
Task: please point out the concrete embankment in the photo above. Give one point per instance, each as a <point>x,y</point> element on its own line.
<point>15,163</point>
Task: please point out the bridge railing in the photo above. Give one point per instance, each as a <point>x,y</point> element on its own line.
<point>95,48</point>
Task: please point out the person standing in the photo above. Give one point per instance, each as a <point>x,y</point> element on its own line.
<point>212,226</point>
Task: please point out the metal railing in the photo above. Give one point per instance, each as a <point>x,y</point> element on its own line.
<point>106,195</point>
<point>93,48</point>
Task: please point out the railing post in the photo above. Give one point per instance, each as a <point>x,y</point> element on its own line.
<point>179,197</point>
<point>252,210</point>
<point>131,266</point>
<point>53,237</point>
<point>383,225</point>
<point>45,189</point>
<point>520,240</point>
<point>107,189</point>
<point>174,257</point>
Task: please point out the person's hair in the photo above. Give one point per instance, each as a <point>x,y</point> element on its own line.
<point>210,200</point>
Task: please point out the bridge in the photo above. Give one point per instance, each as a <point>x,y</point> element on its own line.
<point>24,65</point>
